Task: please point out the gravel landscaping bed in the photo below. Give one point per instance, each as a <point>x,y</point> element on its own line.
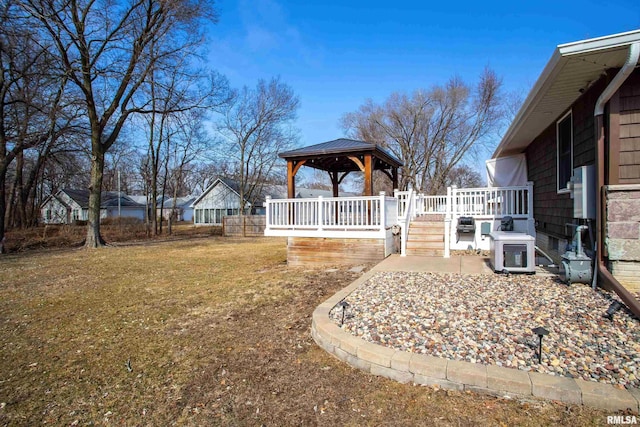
<point>488,319</point>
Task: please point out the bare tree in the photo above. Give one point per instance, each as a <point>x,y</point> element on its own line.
<point>33,112</point>
<point>432,130</point>
<point>256,126</point>
<point>189,143</point>
<point>203,173</point>
<point>463,176</point>
<point>107,50</point>
<point>176,98</point>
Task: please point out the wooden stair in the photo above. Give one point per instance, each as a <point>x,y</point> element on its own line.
<point>426,237</point>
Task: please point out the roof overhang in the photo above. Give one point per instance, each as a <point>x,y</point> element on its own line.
<point>334,155</point>
<point>573,67</point>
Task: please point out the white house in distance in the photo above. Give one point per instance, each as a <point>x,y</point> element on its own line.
<point>183,208</point>
<point>222,198</point>
<point>69,205</point>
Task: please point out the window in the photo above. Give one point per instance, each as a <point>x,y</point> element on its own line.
<point>564,129</point>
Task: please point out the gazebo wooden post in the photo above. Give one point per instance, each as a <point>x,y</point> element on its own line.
<point>394,178</point>
<point>335,181</point>
<point>368,175</point>
<point>292,169</point>
<point>291,180</point>
<point>291,189</point>
<point>368,183</point>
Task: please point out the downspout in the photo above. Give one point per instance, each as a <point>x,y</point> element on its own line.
<point>605,275</point>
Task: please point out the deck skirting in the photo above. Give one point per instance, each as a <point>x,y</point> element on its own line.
<point>318,251</point>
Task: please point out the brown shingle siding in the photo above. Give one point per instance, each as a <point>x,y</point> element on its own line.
<point>630,144</point>
<point>630,103</point>
<point>631,130</point>
<point>630,117</point>
<point>629,171</point>
<point>553,211</point>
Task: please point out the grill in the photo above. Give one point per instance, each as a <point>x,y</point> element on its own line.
<point>466,224</point>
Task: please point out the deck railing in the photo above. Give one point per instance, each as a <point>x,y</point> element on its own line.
<point>421,203</point>
<point>516,202</point>
<point>373,217</point>
<point>367,216</point>
<point>477,202</point>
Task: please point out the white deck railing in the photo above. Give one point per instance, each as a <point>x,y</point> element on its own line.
<point>516,202</point>
<point>477,202</point>
<point>421,204</point>
<point>347,217</point>
<point>408,213</point>
<point>373,217</point>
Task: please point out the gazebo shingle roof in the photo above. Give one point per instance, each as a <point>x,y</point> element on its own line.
<point>342,146</point>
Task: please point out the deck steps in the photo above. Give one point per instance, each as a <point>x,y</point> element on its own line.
<point>426,237</point>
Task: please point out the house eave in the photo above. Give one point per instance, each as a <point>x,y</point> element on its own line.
<point>570,70</point>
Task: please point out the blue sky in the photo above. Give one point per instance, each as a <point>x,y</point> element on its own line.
<point>336,54</point>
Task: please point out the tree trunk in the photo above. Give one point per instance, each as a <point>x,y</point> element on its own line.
<point>20,212</point>
<point>94,239</point>
<point>2,209</point>
<point>29,193</point>
<point>154,203</point>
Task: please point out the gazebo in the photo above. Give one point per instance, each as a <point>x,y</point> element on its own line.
<point>339,158</point>
<point>336,230</point>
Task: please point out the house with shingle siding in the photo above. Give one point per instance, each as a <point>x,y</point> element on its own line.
<point>67,206</point>
<point>584,110</point>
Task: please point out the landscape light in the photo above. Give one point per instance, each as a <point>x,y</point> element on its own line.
<point>540,332</point>
<point>615,306</point>
<point>344,306</point>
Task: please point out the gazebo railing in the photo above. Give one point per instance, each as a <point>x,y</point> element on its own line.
<point>367,216</point>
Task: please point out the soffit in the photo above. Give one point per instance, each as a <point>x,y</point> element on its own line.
<point>572,68</point>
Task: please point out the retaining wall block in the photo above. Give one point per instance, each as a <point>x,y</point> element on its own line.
<point>428,366</point>
<point>636,395</point>
<point>605,396</point>
<point>352,360</point>
<point>474,374</point>
<point>350,344</point>
<point>430,381</point>
<point>400,361</point>
<point>400,376</point>
<point>375,354</point>
<point>555,388</point>
<point>508,380</point>
<point>323,342</point>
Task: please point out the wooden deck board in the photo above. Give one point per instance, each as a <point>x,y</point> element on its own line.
<point>316,251</point>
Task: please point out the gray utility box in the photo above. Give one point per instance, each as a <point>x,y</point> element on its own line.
<point>577,268</point>
<point>583,186</point>
<point>513,252</point>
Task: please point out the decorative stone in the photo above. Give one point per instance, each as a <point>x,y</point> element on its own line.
<point>487,319</point>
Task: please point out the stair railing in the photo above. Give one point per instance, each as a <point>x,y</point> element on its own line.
<point>405,221</point>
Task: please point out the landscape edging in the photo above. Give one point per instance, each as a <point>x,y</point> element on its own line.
<point>421,369</point>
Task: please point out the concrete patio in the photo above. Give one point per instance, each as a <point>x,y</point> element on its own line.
<point>435,264</point>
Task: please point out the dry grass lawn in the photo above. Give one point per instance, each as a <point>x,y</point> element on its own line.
<point>201,332</point>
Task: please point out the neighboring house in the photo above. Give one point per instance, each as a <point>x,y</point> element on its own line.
<point>584,110</point>
<point>69,205</point>
<point>222,198</point>
<point>183,209</point>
